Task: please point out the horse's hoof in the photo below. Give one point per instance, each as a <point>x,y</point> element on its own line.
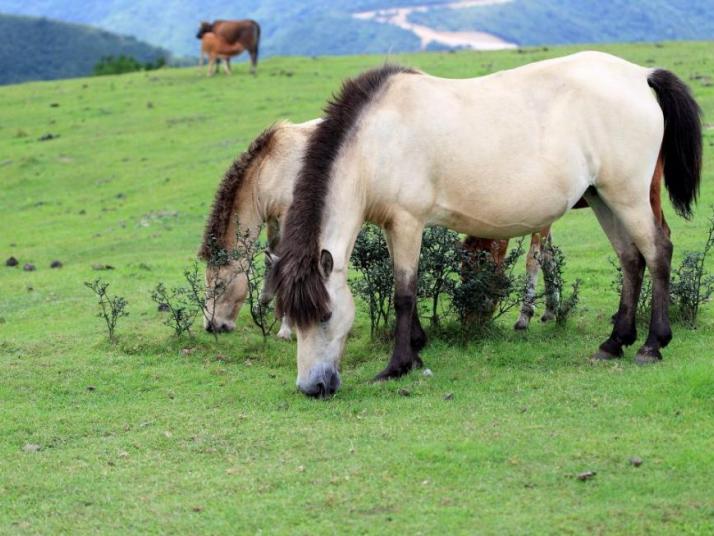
<point>394,372</point>
<point>547,316</point>
<point>418,363</point>
<point>648,356</point>
<point>602,355</point>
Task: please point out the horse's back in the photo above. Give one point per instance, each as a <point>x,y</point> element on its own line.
<point>534,137</point>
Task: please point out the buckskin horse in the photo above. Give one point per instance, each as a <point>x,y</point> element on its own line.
<point>405,149</point>
<point>237,36</point>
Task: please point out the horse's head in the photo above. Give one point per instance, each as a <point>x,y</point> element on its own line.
<point>226,290</point>
<point>204,28</point>
<point>321,308</point>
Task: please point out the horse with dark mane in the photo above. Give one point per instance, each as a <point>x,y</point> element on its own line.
<point>238,35</point>
<point>404,149</point>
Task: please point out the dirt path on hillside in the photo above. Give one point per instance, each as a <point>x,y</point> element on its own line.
<point>399,17</point>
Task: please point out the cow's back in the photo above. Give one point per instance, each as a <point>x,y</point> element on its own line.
<point>234,31</point>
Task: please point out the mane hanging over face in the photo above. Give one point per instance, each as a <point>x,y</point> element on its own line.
<point>296,278</point>
<point>215,235</point>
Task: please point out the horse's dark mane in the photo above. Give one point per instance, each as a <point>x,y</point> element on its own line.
<point>296,278</point>
<point>214,235</point>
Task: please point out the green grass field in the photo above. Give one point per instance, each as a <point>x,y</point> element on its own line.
<point>158,435</point>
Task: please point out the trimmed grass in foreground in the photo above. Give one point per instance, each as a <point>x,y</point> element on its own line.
<point>144,436</point>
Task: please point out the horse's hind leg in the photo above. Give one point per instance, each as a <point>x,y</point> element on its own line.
<point>624,331</point>
<point>404,239</point>
<point>532,268</point>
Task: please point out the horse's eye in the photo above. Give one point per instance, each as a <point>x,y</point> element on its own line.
<point>326,318</point>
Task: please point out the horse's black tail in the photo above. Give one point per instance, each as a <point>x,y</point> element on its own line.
<point>682,142</point>
<point>254,54</point>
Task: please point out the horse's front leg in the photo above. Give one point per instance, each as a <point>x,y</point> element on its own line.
<point>404,238</point>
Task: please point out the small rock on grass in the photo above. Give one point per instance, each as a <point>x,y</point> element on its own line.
<point>56,264</point>
<point>31,447</point>
<point>100,266</point>
<point>404,392</point>
<point>427,373</point>
<point>12,261</point>
<point>47,137</point>
<point>636,461</point>
<point>163,307</point>
<point>587,475</point>
<point>29,267</point>
<point>449,396</point>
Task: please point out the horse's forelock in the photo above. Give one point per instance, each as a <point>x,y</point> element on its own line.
<point>296,279</point>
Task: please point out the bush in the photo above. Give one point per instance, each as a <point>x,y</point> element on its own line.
<point>553,275</point>
<point>451,279</point>
<point>439,261</point>
<point>111,308</point>
<point>261,310</point>
<point>692,285</point>
<point>124,64</point>
<point>485,290</point>
<point>181,308</point>
<point>370,258</point>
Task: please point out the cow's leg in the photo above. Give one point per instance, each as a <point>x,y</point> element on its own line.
<point>404,237</point>
<point>211,65</point>
<point>227,65</point>
<point>253,52</point>
<point>532,267</point>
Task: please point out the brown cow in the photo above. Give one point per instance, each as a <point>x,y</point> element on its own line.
<point>214,47</point>
<point>245,33</point>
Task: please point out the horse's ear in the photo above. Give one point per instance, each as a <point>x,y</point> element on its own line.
<point>326,263</point>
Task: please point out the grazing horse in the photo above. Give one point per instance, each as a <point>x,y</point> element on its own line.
<point>404,149</point>
<point>256,189</point>
<point>243,34</point>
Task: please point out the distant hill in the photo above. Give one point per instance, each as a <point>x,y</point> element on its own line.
<point>307,27</point>
<point>319,27</point>
<point>537,22</point>
<point>42,49</point>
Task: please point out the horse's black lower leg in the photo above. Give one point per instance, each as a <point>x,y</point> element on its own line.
<point>418,335</point>
<point>404,357</point>
<point>624,330</point>
<point>660,332</point>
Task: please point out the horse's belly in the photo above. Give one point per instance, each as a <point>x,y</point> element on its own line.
<point>503,208</point>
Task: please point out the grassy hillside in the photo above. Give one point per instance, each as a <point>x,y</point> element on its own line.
<point>42,49</point>
<point>157,435</point>
<point>534,22</point>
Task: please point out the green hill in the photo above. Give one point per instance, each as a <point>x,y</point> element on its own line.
<point>43,49</point>
<point>297,28</point>
<point>158,435</point>
<point>318,27</point>
<point>536,22</point>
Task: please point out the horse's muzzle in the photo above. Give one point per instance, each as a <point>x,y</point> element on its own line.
<point>323,382</point>
<point>219,326</point>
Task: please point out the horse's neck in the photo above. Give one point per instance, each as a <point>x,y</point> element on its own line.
<point>245,226</point>
<point>342,217</point>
